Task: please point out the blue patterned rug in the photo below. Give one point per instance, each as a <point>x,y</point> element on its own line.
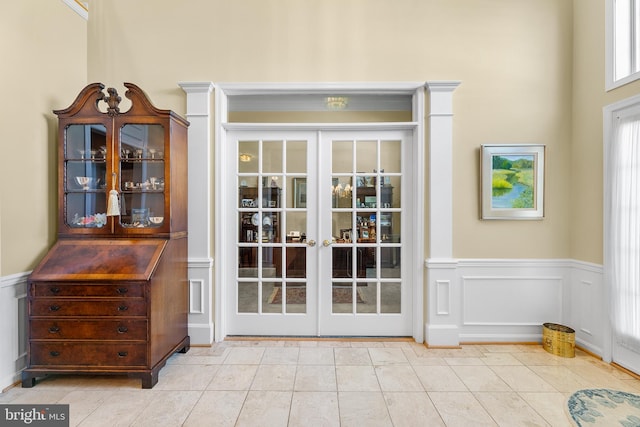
<point>604,407</point>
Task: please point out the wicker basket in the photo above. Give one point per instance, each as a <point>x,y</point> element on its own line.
<point>559,340</point>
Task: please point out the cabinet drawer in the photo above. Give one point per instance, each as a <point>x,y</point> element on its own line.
<point>87,354</point>
<point>88,307</point>
<point>54,289</point>
<point>57,329</point>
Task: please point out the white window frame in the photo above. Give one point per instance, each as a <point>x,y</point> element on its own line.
<point>611,58</point>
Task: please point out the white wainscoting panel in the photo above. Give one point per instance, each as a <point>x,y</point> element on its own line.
<point>587,310</point>
<point>511,300</point>
<point>495,300</point>
<point>508,300</point>
<point>13,317</point>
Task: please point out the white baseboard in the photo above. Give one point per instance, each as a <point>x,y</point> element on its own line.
<point>200,334</point>
<point>442,335</point>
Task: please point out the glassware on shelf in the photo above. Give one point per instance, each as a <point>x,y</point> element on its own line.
<point>84,181</point>
<point>156,220</point>
<point>90,221</point>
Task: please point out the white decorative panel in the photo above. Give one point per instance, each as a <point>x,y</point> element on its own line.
<point>511,300</point>
<point>585,296</point>
<point>196,293</point>
<point>443,297</point>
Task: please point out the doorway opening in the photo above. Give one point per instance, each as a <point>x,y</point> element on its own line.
<point>316,188</point>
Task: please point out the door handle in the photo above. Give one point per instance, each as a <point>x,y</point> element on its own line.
<point>327,243</point>
<point>311,243</point>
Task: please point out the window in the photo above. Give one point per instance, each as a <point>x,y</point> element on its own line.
<point>622,222</point>
<point>623,42</point>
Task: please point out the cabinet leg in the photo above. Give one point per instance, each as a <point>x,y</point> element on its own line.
<point>149,379</point>
<point>187,346</point>
<point>28,381</point>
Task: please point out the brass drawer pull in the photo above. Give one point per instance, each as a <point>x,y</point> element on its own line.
<point>54,329</point>
<point>122,291</point>
<point>54,353</point>
<point>54,289</point>
<point>122,329</point>
<point>54,307</point>
<point>123,353</point>
<point>123,308</point>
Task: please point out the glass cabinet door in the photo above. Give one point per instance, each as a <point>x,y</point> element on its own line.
<point>85,176</point>
<point>142,175</point>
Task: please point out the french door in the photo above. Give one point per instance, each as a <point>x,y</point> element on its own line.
<point>622,225</point>
<point>319,236</point>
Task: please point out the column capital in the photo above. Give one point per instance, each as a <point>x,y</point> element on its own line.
<point>196,87</point>
<point>442,85</point>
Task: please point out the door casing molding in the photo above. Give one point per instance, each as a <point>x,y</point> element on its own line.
<point>439,91</point>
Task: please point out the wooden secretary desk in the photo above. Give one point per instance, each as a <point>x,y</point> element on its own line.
<point>111,296</point>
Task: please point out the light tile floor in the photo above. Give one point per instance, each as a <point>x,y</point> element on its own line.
<point>336,383</point>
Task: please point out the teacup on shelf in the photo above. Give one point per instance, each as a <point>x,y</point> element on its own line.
<point>156,220</point>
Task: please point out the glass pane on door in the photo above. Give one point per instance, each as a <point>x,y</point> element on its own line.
<point>85,180</point>
<point>366,224</point>
<point>271,274</point>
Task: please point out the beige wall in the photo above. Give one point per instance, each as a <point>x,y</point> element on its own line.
<point>44,59</point>
<point>514,58</point>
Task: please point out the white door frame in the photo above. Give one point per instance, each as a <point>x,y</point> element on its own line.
<point>202,328</point>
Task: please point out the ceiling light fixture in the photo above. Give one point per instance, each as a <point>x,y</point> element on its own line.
<point>244,157</point>
<point>336,102</point>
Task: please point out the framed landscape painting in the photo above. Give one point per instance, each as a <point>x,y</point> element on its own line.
<point>512,181</point>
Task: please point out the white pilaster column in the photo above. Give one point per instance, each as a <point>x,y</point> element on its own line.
<point>443,310</point>
<point>200,178</point>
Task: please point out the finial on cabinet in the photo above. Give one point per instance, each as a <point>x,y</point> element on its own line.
<point>113,100</point>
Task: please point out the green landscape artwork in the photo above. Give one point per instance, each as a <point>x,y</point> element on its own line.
<point>512,181</point>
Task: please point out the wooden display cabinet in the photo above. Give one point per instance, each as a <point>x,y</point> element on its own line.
<point>251,219</point>
<point>111,296</point>
<point>141,153</point>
